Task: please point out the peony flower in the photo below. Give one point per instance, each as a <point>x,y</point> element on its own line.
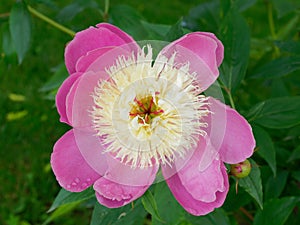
<point>132,115</point>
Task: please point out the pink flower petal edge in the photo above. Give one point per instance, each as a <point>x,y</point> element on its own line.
<point>103,35</point>
<point>204,53</point>
<point>71,170</point>
<point>113,195</point>
<point>62,94</point>
<point>233,140</point>
<point>186,199</point>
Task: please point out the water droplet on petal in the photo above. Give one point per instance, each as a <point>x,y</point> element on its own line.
<point>88,180</point>
<point>74,184</point>
<point>84,185</point>
<point>68,186</point>
<point>77,180</point>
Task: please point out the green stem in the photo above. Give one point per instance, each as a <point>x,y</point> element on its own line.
<point>231,99</point>
<point>106,8</point>
<point>50,21</point>
<point>272,26</point>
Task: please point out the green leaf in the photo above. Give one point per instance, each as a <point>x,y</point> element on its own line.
<point>129,20</point>
<point>130,215</point>
<point>289,46</point>
<point>71,10</point>
<point>205,15</point>
<point>252,184</point>
<point>61,211</point>
<point>276,211</point>
<point>235,200</point>
<point>278,68</point>
<point>174,32</point>
<point>283,7</point>
<point>295,155</point>
<point>57,79</point>
<point>275,185</point>
<point>276,113</point>
<point>167,206</point>
<point>20,28</point>
<point>156,31</point>
<point>235,36</point>
<point>217,217</point>
<point>65,197</point>
<point>265,147</point>
<point>149,204</point>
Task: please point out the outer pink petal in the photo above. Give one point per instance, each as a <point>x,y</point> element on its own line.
<point>203,51</point>
<point>62,95</point>
<point>186,199</point>
<point>102,35</point>
<point>81,100</point>
<point>230,133</point>
<point>102,58</point>
<point>69,167</point>
<point>202,185</point>
<point>113,195</point>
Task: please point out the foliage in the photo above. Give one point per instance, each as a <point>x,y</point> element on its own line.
<point>259,77</point>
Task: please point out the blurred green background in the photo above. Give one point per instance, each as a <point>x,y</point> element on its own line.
<point>29,123</point>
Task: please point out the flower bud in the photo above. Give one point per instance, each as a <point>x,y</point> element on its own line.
<point>241,170</point>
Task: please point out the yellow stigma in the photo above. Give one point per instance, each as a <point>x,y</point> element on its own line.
<point>148,114</point>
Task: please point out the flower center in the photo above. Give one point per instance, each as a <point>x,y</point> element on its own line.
<point>148,114</point>
<point>145,110</point>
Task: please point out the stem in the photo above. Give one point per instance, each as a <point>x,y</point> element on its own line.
<point>231,99</point>
<point>246,213</point>
<point>51,22</point>
<point>272,26</point>
<point>105,13</point>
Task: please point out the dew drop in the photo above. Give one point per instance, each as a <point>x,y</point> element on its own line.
<point>84,185</point>
<point>74,184</point>
<point>88,180</point>
<point>68,186</point>
<point>77,180</point>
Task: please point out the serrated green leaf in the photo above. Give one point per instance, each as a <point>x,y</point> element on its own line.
<point>20,28</point>
<point>275,185</point>
<point>65,197</point>
<point>252,184</point>
<point>265,147</point>
<point>57,78</point>
<point>276,211</point>
<point>130,215</point>
<point>276,113</point>
<point>129,20</point>
<point>278,68</point>
<point>235,36</point>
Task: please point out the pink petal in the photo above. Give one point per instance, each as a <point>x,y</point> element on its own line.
<point>113,195</point>
<point>102,35</point>
<point>203,51</point>
<point>62,95</point>
<point>69,167</point>
<point>102,58</point>
<point>91,149</point>
<point>229,132</point>
<point>126,175</point>
<point>202,185</point>
<point>186,196</point>
<point>81,100</point>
